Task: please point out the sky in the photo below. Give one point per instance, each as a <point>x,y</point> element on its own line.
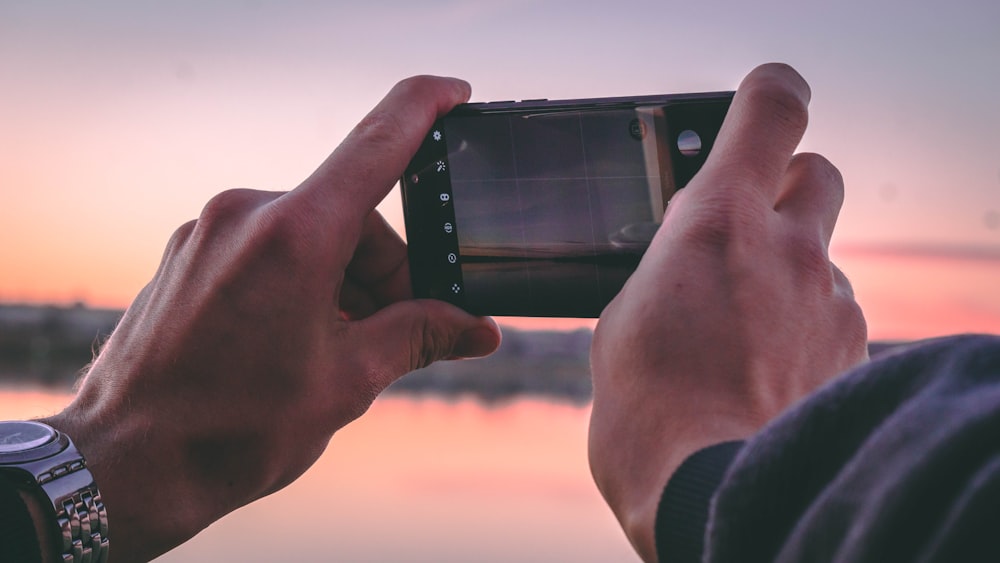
<point>119,120</point>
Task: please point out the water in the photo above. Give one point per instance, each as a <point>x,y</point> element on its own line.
<point>420,480</point>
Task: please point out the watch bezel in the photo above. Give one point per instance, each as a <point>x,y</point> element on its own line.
<point>57,444</point>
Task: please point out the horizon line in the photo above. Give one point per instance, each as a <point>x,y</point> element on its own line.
<point>932,251</point>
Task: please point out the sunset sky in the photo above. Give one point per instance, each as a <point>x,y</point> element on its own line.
<point>118,120</point>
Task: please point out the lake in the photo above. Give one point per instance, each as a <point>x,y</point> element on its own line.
<point>420,480</point>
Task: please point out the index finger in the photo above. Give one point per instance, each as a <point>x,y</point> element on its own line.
<point>765,123</point>
<point>362,170</point>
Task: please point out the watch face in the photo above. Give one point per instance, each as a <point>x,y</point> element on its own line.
<point>21,435</point>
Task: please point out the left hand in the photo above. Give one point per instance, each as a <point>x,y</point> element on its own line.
<point>273,320</point>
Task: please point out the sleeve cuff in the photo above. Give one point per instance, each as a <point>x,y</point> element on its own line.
<point>18,538</point>
<point>683,511</point>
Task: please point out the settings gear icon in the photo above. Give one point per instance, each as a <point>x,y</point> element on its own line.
<point>436,135</point>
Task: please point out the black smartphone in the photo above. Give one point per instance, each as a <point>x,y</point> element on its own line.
<point>543,208</point>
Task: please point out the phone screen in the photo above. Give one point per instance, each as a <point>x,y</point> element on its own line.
<point>543,211</point>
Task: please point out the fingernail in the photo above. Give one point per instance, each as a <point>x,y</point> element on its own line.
<point>476,343</point>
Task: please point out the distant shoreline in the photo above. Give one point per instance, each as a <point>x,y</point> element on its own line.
<point>49,345</point>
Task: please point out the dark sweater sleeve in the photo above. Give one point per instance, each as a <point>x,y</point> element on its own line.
<point>899,460</point>
<point>18,539</point>
<point>683,510</point>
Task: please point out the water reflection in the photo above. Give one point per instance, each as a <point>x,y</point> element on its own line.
<point>421,480</point>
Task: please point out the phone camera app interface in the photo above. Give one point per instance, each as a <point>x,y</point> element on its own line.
<point>553,210</point>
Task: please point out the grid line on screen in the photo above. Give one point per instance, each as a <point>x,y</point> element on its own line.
<point>517,191</point>
<point>590,202</point>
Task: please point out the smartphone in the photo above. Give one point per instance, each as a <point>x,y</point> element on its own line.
<point>543,208</point>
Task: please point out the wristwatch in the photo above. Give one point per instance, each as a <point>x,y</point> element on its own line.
<point>35,456</point>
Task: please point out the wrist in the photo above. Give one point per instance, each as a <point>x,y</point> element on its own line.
<point>637,446</point>
<point>141,500</point>
<point>640,506</point>
<point>61,506</point>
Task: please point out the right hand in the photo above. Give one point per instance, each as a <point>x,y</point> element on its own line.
<point>735,311</point>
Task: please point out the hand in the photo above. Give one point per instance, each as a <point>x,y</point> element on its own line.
<point>735,311</point>
<point>273,320</point>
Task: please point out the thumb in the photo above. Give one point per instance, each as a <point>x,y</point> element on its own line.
<point>413,334</point>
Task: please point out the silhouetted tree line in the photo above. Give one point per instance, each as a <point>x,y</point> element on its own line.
<point>51,344</point>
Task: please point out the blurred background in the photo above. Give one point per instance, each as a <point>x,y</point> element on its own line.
<point>119,120</point>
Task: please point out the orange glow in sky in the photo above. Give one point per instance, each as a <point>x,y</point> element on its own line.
<point>910,297</point>
<point>119,121</point>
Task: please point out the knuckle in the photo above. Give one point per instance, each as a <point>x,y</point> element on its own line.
<point>817,169</point>
<point>434,343</point>
<point>816,166</point>
<point>774,99</point>
<point>283,234</point>
<point>225,207</point>
<point>728,217</point>
<point>379,127</point>
<point>180,236</point>
<point>854,329</point>
<point>228,201</point>
<point>809,257</point>
<point>852,317</point>
<point>843,284</point>
<point>177,243</point>
<point>816,184</point>
<point>250,227</point>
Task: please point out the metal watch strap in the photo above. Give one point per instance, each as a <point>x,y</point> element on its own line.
<point>33,456</point>
<point>80,513</point>
<point>84,526</point>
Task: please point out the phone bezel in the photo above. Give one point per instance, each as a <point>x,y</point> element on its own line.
<point>431,268</point>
